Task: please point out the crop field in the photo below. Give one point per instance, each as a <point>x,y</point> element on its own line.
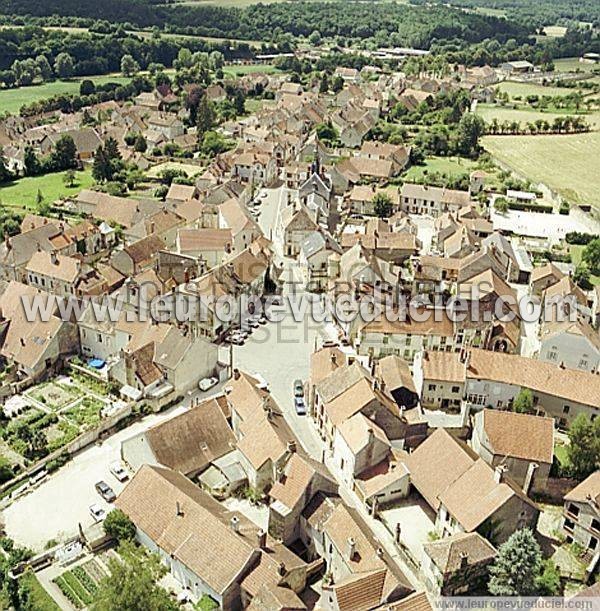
<point>567,164</point>
<point>572,64</point>
<point>11,100</point>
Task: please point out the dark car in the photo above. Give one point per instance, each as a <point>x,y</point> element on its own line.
<point>300,406</point>
<point>106,492</point>
<point>298,388</point>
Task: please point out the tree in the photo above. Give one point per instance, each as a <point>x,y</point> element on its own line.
<point>118,526</point>
<point>69,178</point>
<point>501,205</point>
<point>382,205</point>
<point>213,143</point>
<point>63,65</point>
<point>87,87</point>
<point>324,85</point>
<point>583,450</point>
<point>315,38</point>
<point>64,155</point>
<point>523,402</point>
<point>517,566</point>
<point>31,162</point>
<point>548,582</point>
<point>337,85</point>
<point>205,116</point>
<point>591,255</point>
<point>5,174</point>
<point>129,66</point>
<point>469,130</point>
<point>140,145</point>
<point>581,277</point>
<point>132,583</point>
<point>44,67</point>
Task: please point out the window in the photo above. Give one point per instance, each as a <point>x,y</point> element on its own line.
<point>455,389</point>
<point>593,544</point>
<point>573,509</point>
<point>596,524</point>
<point>583,364</point>
<point>551,355</point>
<point>566,409</point>
<point>569,524</point>
<point>432,387</point>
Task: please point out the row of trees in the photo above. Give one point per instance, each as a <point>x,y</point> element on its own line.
<point>559,125</point>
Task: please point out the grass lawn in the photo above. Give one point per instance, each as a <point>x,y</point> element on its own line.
<point>572,64</point>
<point>567,164</point>
<point>22,193</point>
<point>522,90</point>
<point>451,166</point>
<point>39,599</point>
<point>555,31</point>
<point>576,251</point>
<point>241,70</point>
<point>11,100</point>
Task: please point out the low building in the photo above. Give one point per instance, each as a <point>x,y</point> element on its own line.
<point>434,201</point>
<point>581,514</point>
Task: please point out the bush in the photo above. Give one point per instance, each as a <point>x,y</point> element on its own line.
<point>579,238</point>
<point>118,526</point>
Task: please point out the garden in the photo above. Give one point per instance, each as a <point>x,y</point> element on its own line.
<point>80,584</point>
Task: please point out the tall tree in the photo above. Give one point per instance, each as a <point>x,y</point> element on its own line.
<point>44,67</point>
<point>583,451</point>
<point>205,117</point>
<point>63,65</point>
<point>382,205</point>
<point>64,155</point>
<point>129,66</point>
<point>132,584</point>
<point>5,174</point>
<point>517,566</point>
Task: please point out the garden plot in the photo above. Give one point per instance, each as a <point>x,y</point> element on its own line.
<point>55,395</point>
<point>80,584</point>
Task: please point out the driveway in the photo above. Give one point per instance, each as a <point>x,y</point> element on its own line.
<point>54,509</point>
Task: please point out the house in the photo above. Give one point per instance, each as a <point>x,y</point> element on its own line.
<point>232,215</point>
<point>210,245</point>
<point>516,67</point>
<point>254,167</point>
<point>433,201</point>
<point>166,124</point>
<point>523,443</point>
<point>363,575</point>
<point>54,273</point>
<point>180,193</point>
<point>581,514</point>
<point>35,347</point>
<point>86,142</point>
<point>361,199</point>
<point>466,493</point>
<point>206,548</point>
<point>187,443</point>
<point>397,154</point>
<point>574,344</point>
<point>494,379</point>
<point>358,444</point>
<point>313,257</point>
<point>316,191</point>
<point>297,225</point>
<point>351,75</point>
<point>457,565</point>
<point>138,256</point>
<point>515,259</point>
<point>300,479</point>
<point>544,277</point>
<point>383,243</point>
<point>394,375</point>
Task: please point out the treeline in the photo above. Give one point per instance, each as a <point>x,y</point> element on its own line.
<point>538,13</point>
<point>97,53</point>
<point>560,125</point>
<point>388,22</point>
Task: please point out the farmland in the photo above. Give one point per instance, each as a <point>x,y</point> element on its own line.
<point>11,100</point>
<point>524,115</point>
<point>567,164</point>
<point>450,166</point>
<point>521,90</point>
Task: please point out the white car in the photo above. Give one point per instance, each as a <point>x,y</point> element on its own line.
<point>118,470</point>
<point>207,384</point>
<point>97,512</point>
<point>263,195</point>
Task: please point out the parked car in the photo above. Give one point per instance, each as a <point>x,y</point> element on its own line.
<point>252,322</point>
<point>106,492</point>
<point>298,388</point>
<point>300,406</point>
<point>329,343</point>
<point>263,320</point>
<point>207,383</point>
<point>236,338</point>
<point>97,512</point>
<point>263,195</point>
<point>118,470</point>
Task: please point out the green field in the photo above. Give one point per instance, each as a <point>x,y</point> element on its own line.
<point>567,164</point>
<point>572,64</point>
<point>489,112</point>
<point>23,193</point>
<point>522,90</point>
<point>11,100</point>
<point>451,166</point>
<point>39,599</point>
<point>243,69</point>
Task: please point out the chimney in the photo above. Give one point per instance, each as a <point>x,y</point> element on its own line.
<point>282,570</point>
<point>333,358</point>
<point>464,560</point>
<point>22,340</point>
<point>382,386</point>
<point>54,258</point>
<point>291,447</point>
<point>261,538</point>
<point>379,552</point>
<point>371,436</point>
<point>351,548</point>
<point>178,509</point>
<point>152,226</point>
<point>236,374</point>
<point>235,524</point>
<point>529,476</point>
<point>398,532</point>
<point>499,473</point>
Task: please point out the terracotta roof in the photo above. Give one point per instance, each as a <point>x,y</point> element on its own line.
<point>443,366</point>
<point>415,602</point>
<point>443,327</point>
<point>355,432</point>
<point>437,462</point>
<point>360,592</point>
<point>60,267</point>
<point>395,372</point>
<point>195,240</point>
<point>589,487</point>
<point>190,441</point>
<point>324,361</point>
<point>519,435</point>
<point>447,553</point>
